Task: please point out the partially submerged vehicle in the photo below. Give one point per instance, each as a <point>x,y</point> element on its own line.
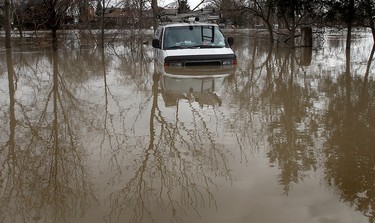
<point>192,40</point>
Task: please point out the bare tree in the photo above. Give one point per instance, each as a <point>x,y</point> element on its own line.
<point>154,6</point>
<point>349,23</point>
<point>39,14</point>
<point>56,10</point>
<point>263,10</point>
<point>368,7</point>
<point>7,24</point>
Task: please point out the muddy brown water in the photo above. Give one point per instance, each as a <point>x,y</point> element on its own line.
<point>96,136</point>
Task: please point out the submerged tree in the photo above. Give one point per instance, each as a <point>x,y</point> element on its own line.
<point>368,8</point>
<point>56,10</point>
<point>294,14</point>
<point>154,6</point>
<point>265,11</point>
<point>41,14</point>
<point>7,24</point>
<point>349,20</point>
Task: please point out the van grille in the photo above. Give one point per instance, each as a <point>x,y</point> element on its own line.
<point>200,60</point>
<point>202,63</point>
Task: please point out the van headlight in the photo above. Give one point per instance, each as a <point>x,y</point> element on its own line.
<point>228,62</point>
<point>173,64</point>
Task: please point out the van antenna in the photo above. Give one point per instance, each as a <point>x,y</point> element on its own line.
<point>198,5</point>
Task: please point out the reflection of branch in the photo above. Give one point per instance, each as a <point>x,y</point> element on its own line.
<point>109,128</point>
<point>365,81</point>
<point>350,159</point>
<point>212,157</point>
<point>134,60</point>
<point>287,110</point>
<point>172,173</point>
<point>8,157</point>
<point>45,175</point>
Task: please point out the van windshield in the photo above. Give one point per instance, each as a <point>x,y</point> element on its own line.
<point>194,36</point>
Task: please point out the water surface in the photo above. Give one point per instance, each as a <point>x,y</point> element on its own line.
<point>96,136</point>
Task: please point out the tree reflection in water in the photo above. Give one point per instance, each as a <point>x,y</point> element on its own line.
<point>176,170</point>
<point>43,174</point>
<point>350,121</point>
<point>169,163</point>
<point>275,112</point>
<point>301,130</point>
<point>291,127</point>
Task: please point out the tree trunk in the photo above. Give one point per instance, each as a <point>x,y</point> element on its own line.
<point>102,14</point>
<point>292,33</point>
<point>155,13</point>
<point>349,21</point>
<point>270,31</point>
<point>305,56</point>
<point>54,39</point>
<point>53,24</point>
<point>293,26</point>
<point>7,25</point>
<point>306,37</point>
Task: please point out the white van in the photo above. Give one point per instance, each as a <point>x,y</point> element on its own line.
<point>192,44</point>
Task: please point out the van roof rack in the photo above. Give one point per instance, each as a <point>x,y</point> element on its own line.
<point>202,15</point>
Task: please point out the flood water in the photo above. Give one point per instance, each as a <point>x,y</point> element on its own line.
<point>91,136</point>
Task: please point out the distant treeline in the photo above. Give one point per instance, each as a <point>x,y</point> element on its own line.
<point>272,15</point>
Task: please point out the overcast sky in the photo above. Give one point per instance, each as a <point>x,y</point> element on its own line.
<point>192,3</point>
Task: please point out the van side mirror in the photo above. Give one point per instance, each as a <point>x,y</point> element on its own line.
<point>155,43</point>
<point>230,41</point>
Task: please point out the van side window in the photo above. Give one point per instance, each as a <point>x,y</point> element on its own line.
<point>157,34</point>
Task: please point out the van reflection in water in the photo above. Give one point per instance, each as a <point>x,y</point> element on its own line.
<point>201,84</point>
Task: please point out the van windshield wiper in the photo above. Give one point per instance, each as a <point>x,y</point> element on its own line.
<point>177,47</point>
<point>206,46</point>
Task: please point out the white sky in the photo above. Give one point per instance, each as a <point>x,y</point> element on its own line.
<point>192,3</point>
